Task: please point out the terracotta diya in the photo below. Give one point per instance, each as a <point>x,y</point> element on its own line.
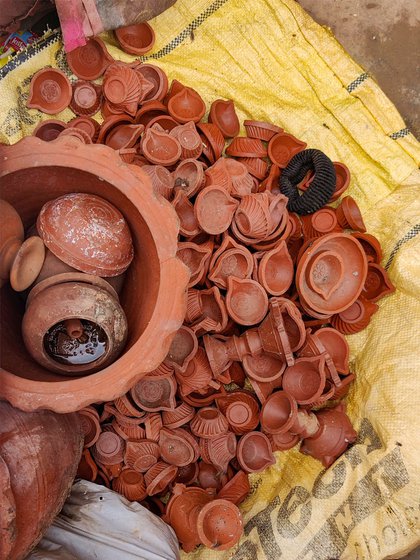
<point>254,452</point>
<point>49,129</point>
<point>136,39</point>
<point>90,61</point>
<point>222,113</point>
<point>246,301</point>
<point>214,209</point>
<point>219,524</point>
<point>50,91</point>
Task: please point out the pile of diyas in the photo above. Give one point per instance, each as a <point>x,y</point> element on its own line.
<point>277,277</point>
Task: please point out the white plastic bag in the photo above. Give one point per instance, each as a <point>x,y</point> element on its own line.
<point>97,523</point>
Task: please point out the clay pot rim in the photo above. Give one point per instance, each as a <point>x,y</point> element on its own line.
<point>129,47</point>
<point>201,520</point>
<point>63,396</point>
<point>66,93</point>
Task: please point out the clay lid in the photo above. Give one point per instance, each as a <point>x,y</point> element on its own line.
<point>331,273</point>
<point>160,148</point>
<point>136,39</point>
<point>219,524</point>
<point>208,423</point>
<point>130,484</point>
<point>156,76</point>
<point>244,147</point>
<point>282,147</point>
<point>236,489</point>
<point>187,105</point>
<point>254,452</point>
<point>27,264</point>
<point>214,209</point>
<point>262,130</point>
<point>109,448</point>
<point>86,98</point>
<point>189,177</point>
<point>90,61</point>
<point>88,233</point>
<point>50,91</point>
<point>246,301</point>
<point>278,413</point>
<point>222,113</point>
<point>49,129</point>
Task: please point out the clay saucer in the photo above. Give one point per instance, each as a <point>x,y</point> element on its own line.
<point>108,449</point>
<point>188,224</point>
<point>254,452</point>
<point>209,423</point>
<point>136,39</point>
<point>27,263</point>
<point>189,140</point>
<point>158,477</point>
<point>349,215</point>
<point>149,110</point>
<point>371,246</point>
<point>244,147</point>
<point>342,174</point>
<point>219,524</point>
<point>187,105</point>
<point>86,98</point>
<point>331,273</point>
<point>282,147</point>
<point>355,318</point>
<point>182,350</point>
<point>179,416</point>
<point>89,125</point>
<point>104,254</point>
<point>155,393</point>
<point>50,91</point>
<point>90,61</point>
<point>212,138</point>
<point>223,115</point>
<point>157,77</point>
<point>246,301</point>
<point>261,130</point>
<point>257,167</point>
<point>264,367</point>
<point>90,427</point>
<point>306,379</point>
<point>377,284</point>
<point>160,148</point>
<point>236,489</point>
<point>162,180</point>
<point>275,270</point>
<point>214,209</point>
<point>178,447</point>
<point>189,177</point>
<point>49,129</point>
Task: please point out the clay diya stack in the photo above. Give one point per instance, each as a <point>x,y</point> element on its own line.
<point>278,276</point>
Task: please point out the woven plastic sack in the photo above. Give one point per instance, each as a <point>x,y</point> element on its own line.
<point>279,65</point>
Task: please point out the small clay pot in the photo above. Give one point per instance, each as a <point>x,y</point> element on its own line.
<point>86,215</point>
<point>88,125</point>
<point>149,110</point>
<point>336,346</point>
<point>141,455</point>
<point>130,484</point>
<point>320,223</point>
<point>306,379</point>
<point>86,98</point>
<point>110,123</point>
<point>49,129</point>
<point>244,147</point>
<point>275,270</point>
<point>264,367</point>
<point>282,147</point>
<point>136,39</point>
<point>212,140</point>
<point>223,115</point>
<point>241,181</point>
<point>334,436</point>
<point>182,350</point>
<point>109,449</point>
<point>254,452</point>
<point>125,405</point>
<point>278,413</point>
<point>153,425</point>
<point>349,215</point>
<point>208,476</point>
<point>165,122</point>
<point>241,410</point>
<point>219,524</point>
<point>90,61</point>
<point>27,263</point>
<point>155,393</point>
<point>124,136</point>
<point>377,283</point>
<point>209,423</point>
<point>77,133</point>
<point>214,209</point>
<point>206,304</point>
<point>50,91</point>
<point>246,301</point>
<point>162,180</point>
<point>156,76</point>
<point>187,105</point>
<point>158,477</point>
<point>236,489</point>
<point>189,140</point>
<point>261,130</point>
<point>189,177</point>
<point>179,416</point>
<point>160,148</point>
<point>90,426</point>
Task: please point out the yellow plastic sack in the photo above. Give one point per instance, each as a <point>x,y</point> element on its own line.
<point>279,65</point>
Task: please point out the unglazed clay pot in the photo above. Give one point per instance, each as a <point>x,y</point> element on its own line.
<point>155,393</point>
<point>209,423</point>
<point>189,177</point>
<point>246,301</point>
<point>230,259</point>
<point>187,105</point>
<point>136,39</point>
<point>282,147</point>
<point>34,485</point>
<point>156,76</point>
<point>122,88</point>
<point>371,246</point>
<point>124,136</point>
<point>280,414</point>
<point>49,129</point>
<point>90,61</point>
<point>219,451</point>
<point>86,98</point>
<point>223,115</point>
<point>188,225</point>
<point>212,139</point>
<point>89,125</point>
<point>264,367</point>
<point>130,484</point>
<point>189,140</point>
<point>254,452</point>
<point>182,350</point>
<point>275,270</point>
<point>355,318</point>
<point>219,524</point>
<point>214,209</point>
<point>332,439</point>
<point>162,180</point>
<point>178,447</point>
<point>257,167</point>
<point>11,238</point>
<point>305,380</point>
<point>160,302</point>
<point>50,91</point>
<point>241,410</point>
<point>159,476</point>
<point>160,148</point>
<point>342,174</point>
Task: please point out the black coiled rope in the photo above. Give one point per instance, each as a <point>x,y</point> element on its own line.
<point>321,188</point>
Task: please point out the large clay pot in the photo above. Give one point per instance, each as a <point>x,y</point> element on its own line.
<point>34,172</point>
<point>39,454</point>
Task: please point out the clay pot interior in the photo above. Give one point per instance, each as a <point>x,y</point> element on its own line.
<point>32,190</point>
<point>136,39</point>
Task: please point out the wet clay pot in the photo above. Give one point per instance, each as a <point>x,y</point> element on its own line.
<point>254,452</point>
<point>223,115</point>
<point>34,486</point>
<point>90,61</point>
<point>219,524</point>
<point>50,91</point>
<point>160,303</point>
<point>332,439</point>
<point>136,39</point>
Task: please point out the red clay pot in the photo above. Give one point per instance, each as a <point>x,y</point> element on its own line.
<point>275,270</point>
<point>223,115</point>
<point>49,129</point>
<point>136,39</point>
<point>50,91</point>
<point>209,423</point>
<point>197,376</point>
<point>232,261</point>
<point>150,109</point>
<point>187,105</point>
<point>77,133</point>
<point>166,122</point>
<point>371,246</point>
<point>130,484</point>
<point>189,140</point>
<point>218,174</point>
<point>306,379</point>
<point>254,452</point>
<point>40,480</point>
<point>219,451</point>
<point>271,182</point>
<point>86,98</point>
<point>160,148</point>
<point>149,218</point>
<point>333,438</point>
<point>212,140</point>
<point>110,123</point>
<point>109,449</point>
<point>124,136</point>
<point>336,346</point>
<point>219,524</point>
<point>283,442</point>
<point>241,410</point>
<point>196,258</point>
<point>214,209</point>
<point>236,489</point>
<point>202,304</point>
<point>155,393</point>
<point>122,88</point>
<point>153,425</point>
<point>158,477</point>
<point>320,223</point>
<point>377,284</point>
<point>244,147</point>
<point>349,215</point>
<point>242,182</point>
<point>90,61</point>
<point>355,318</point>
<point>189,177</point>
<point>282,147</point>
<point>261,130</point>
<point>208,476</point>
<point>178,447</point>
<point>188,224</point>
<point>280,414</point>
<point>246,301</point>
<point>125,405</point>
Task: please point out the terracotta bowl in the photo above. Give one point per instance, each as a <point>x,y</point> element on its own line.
<point>154,304</point>
<point>136,39</point>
